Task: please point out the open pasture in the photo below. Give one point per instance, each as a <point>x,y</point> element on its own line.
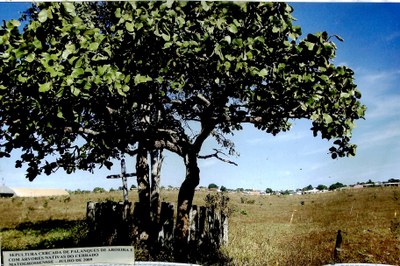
<point>264,230</point>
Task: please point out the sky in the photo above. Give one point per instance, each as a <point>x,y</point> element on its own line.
<point>294,159</point>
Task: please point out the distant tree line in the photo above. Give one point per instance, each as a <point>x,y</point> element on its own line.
<point>320,187</point>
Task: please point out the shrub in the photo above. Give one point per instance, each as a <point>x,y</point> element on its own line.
<point>247,201</point>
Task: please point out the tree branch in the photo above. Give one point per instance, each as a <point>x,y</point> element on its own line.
<point>82,130</point>
<point>161,144</point>
<point>203,99</point>
<point>216,155</point>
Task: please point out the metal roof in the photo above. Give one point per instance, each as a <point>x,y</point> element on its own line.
<point>39,192</point>
<point>6,190</point>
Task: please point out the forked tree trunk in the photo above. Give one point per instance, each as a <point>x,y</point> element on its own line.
<point>185,200</point>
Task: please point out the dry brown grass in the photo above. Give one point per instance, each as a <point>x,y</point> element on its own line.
<point>262,231</point>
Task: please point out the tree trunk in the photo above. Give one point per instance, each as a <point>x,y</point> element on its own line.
<point>185,199</point>
<point>155,204</point>
<point>142,174</point>
<point>124,181</point>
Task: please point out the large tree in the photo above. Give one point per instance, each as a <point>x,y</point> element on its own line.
<point>86,86</point>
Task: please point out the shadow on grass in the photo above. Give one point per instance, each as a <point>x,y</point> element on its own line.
<point>49,225</point>
<point>209,255</point>
<point>53,233</point>
<point>203,255</point>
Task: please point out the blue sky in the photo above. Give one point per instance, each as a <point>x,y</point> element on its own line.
<point>294,159</point>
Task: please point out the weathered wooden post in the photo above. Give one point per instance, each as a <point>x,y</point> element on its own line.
<point>194,225</point>
<point>203,225</point>
<point>211,224</point>
<point>126,207</point>
<point>165,236</point>
<point>225,228</point>
<point>109,222</point>
<point>124,177</point>
<point>338,244</point>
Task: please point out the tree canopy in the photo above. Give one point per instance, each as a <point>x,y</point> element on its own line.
<point>337,185</point>
<point>212,185</point>
<point>74,71</point>
<point>322,187</point>
<point>84,82</point>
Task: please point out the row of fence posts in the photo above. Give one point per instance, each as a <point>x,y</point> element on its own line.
<point>113,223</point>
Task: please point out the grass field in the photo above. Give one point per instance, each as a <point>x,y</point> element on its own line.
<point>264,230</point>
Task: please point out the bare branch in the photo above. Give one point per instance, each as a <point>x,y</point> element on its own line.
<point>203,99</point>
<point>216,155</point>
<point>169,131</point>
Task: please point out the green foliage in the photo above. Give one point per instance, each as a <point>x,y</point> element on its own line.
<point>99,190</point>
<point>309,187</point>
<point>322,187</point>
<point>245,200</point>
<point>336,186</point>
<point>286,192</point>
<point>84,80</point>
<point>212,185</point>
<point>243,212</point>
<point>268,190</point>
<point>46,234</point>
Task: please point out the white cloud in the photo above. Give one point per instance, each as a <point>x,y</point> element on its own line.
<point>380,93</point>
<point>374,83</point>
<point>380,135</point>
<point>394,35</point>
<point>380,76</point>
<point>291,135</point>
<point>384,106</point>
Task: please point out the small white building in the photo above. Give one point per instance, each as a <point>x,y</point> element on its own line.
<point>312,191</point>
<point>6,192</point>
<point>31,192</point>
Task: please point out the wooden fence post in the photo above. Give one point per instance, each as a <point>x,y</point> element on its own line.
<point>91,215</point>
<point>211,224</point>
<point>338,244</point>
<point>111,223</point>
<point>203,225</point>
<point>194,225</point>
<point>225,229</point>
<point>217,234</point>
<point>165,236</point>
<point>108,222</point>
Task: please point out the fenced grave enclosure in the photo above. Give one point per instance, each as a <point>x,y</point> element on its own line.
<point>115,223</point>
